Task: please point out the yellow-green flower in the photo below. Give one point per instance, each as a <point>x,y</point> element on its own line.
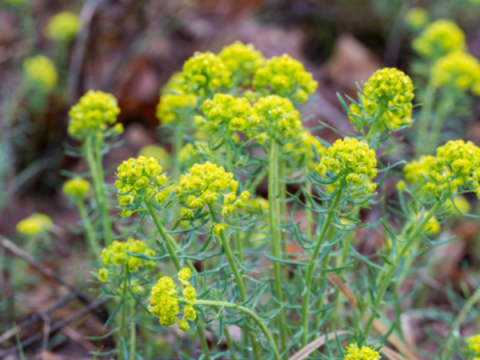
<point>34,225</point>
<point>352,156</point>
<point>164,302</point>
<point>158,153</point>
<point>473,343</point>
<point>365,353</point>
<point>416,18</point>
<point>273,117</point>
<point>140,179</point>
<point>174,101</point>
<point>457,164</point>
<point>116,254</point>
<point>103,275</point>
<point>225,110</point>
<point>204,74</point>
<point>76,187</point>
<point>458,70</point>
<point>432,227</point>
<point>63,26</point>
<point>41,71</point>
<point>208,184</point>
<point>439,38</point>
<point>242,60</point>
<point>218,229</point>
<point>92,114</point>
<point>257,205</point>
<point>458,202</point>
<point>286,77</point>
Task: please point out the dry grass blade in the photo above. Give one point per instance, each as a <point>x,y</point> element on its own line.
<point>391,354</point>
<point>315,344</point>
<point>377,324</point>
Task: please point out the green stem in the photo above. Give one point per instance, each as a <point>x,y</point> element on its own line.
<point>249,313</point>
<point>177,147</point>
<point>424,119</point>
<point>239,280</point>
<point>445,109</point>
<point>272,175</point>
<point>313,260</point>
<point>230,343</point>
<point>133,332</point>
<point>458,321</point>
<point>308,212</point>
<point>89,232</point>
<point>123,319</point>
<point>392,268</point>
<point>282,205</point>
<point>171,247</point>
<point>372,132</point>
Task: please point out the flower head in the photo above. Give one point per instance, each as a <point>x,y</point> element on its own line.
<point>174,101</point>
<point>140,179</point>
<point>352,156</point>
<point>439,38</point>
<point>209,184</point>
<point>205,73</point>
<point>286,77</point>
<point>34,225</point>
<point>93,113</point>
<point>164,302</point>
<point>76,187</point>
<point>416,18</point>
<point>41,71</point>
<point>242,60</point>
<point>63,26</point>
<point>457,164</point>
<point>473,343</point>
<point>274,117</point>
<point>458,70</point>
<point>116,254</point>
<point>225,109</point>
<point>365,353</point>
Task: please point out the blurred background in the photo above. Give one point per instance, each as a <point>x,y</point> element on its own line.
<point>130,48</point>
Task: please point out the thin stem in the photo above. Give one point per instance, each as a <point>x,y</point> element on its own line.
<point>424,119</point>
<point>282,204</point>
<point>308,212</point>
<point>89,232</point>
<point>202,338</point>
<point>133,332</point>
<point>372,132</point>
<point>249,313</point>
<point>177,147</point>
<point>123,319</point>
<point>272,175</point>
<point>444,110</point>
<point>392,268</point>
<point>239,280</point>
<point>313,260</point>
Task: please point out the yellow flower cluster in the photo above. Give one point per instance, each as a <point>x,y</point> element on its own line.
<point>457,164</point>
<point>459,70</point>
<point>204,184</point>
<point>41,71</point>
<point>416,18</point>
<point>93,112</point>
<point>273,117</point>
<point>473,343</point>
<point>242,60</point>
<point>164,302</point>
<point>205,73</point>
<point>365,353</point>
<point>139,179</point>
<point>302,149</point>
<point>156,152</point>
<point>286,77</point>
<point>439,38</point>
<point>116,254</point>
<point>352,156</point>
<point>224,109</point>
<point>63,26</point>
<point>35,224</point>
<point>257,205</point>
<point>76,187</point>
<point>389,90</point>
<point>432,227</point>
<point>174,101</point>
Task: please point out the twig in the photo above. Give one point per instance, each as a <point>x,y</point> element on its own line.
<point>57,326</point>
<point>35,317</point>
<point>49,273</point>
